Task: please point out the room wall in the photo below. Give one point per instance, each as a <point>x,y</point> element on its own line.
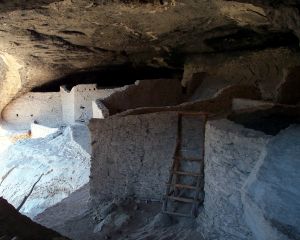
<point>128,157</point>
<point>42,108</point>
<point>145,93</point>
<point>84,94</point>
<point>77,103</point>
<point>67,104</point>
<point>132,155</point>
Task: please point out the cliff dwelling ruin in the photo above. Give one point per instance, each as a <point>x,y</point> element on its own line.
<point>150,119</point>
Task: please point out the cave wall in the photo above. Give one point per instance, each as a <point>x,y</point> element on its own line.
<point>44,108</point>
<point>231,152</point>
<point>264,69</point>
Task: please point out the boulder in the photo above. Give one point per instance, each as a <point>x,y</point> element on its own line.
<point>271,193</point>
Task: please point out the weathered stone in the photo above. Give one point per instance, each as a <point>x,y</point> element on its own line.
<point>121,219</point>
<point>271,193</point>
<point>263,69</point>
<point>240,104</point>
<point>109,208</point>
<point>114,220</point>
<point>161,220</point>
<point>288,90</point>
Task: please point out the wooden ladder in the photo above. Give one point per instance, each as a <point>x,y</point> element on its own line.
<point>174,186</point>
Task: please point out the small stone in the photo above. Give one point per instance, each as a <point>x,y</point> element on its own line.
<point>136,207</point>
<point>121,219</point>
<point>106,221</point>
<point>108,209</point>
<point>161,220</point>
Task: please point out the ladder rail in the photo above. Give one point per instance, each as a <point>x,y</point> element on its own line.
<point>174,164</point>
<point>175,174</point>
<point>195,207</point>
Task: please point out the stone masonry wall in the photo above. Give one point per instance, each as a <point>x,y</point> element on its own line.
<point>145,93</point>
<point>84,95</point>
<point>231,152</point>
<point>43,108</point>
<point>67,102</point>
<point>77,103</point>
<point>132,155</point>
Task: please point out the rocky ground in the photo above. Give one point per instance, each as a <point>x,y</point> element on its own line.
<point>119,219</point>
<point>38,173</point>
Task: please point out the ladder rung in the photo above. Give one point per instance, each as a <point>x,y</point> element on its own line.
<point>180,199</point>
<point>188,159</point>
<point>177,214</point>
<point>186,173</point>
<point>204,114</point>
<point>182,186</point>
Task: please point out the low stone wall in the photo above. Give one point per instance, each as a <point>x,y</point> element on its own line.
<point>42,108</point>
<point>145,93</point>
<point>220,104</point>
<point>231,152</point>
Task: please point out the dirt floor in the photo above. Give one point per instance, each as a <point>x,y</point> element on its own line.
<point>120,219</point>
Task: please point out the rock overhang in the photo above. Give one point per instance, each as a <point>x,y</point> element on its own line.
<point>51,39</point>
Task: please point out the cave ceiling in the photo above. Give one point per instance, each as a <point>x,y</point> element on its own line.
<point>44,40</point>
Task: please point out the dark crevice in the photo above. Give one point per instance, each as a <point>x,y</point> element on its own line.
<point>61,42</point>
<point>8,5</point>
<point>161,2</point>
<point>272,3</point>
<point>114,76</point>
<point>270,121</point>
<point>247,39</point>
